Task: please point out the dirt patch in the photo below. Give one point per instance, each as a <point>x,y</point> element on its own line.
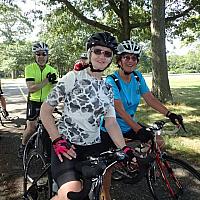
<point>11,168</point>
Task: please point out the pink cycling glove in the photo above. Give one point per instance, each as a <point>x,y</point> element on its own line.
<point>129,152</point>
<point>61,146</point>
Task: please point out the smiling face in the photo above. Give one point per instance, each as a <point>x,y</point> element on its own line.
<point>128,62</point>
<point>41,58</point>
<point>101,57</point>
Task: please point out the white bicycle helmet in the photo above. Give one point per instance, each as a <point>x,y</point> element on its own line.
<point>129,46</point>
<point>84,56</point>
<point>40,46</point>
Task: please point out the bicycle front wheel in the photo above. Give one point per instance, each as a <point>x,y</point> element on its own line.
<point>171,178</point>
<point>37,177</point>
<point>30,146</point>
<point>96,190</point>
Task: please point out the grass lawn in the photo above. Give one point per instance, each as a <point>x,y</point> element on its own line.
<point>186,94</point>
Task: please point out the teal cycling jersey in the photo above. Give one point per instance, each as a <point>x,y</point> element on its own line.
<point>129,94</point>
<point>34,73</point>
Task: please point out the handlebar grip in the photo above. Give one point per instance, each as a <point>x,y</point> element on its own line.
<point>87,184</point>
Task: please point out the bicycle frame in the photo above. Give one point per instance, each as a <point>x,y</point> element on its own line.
<point>93,175</point>
<point>158,159</point>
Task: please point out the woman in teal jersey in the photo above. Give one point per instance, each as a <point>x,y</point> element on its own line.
<point>128,87</point>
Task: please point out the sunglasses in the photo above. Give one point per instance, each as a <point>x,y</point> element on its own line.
<point>41,54</point>
<point>107,54</point>
<point>127,58</point>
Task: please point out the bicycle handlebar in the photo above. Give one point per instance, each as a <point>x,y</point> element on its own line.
<point>158,126</point>
<point>94,167</point>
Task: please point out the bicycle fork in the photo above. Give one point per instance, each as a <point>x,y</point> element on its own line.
<point>163,164</point>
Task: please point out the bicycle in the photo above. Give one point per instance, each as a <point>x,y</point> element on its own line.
<point>36,161</point>
<point>92,169</point>
<point>167,177</point>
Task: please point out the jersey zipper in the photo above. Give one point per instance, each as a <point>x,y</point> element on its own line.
<point>41,88</point>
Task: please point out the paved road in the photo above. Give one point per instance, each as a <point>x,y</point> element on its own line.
<point>15,92</point>
<point>11,173</point>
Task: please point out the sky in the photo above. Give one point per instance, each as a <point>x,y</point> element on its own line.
<point>26,6</point>
<point>175,48</point>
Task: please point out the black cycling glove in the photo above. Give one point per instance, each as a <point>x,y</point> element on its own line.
<point>52,77</point>
<point>144,135</point>
<point>175,119</point>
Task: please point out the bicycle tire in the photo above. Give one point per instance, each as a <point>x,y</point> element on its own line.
<point>30,146</point>
<point>185,185</point>
<point>37,189</point>
<point>36,142</point>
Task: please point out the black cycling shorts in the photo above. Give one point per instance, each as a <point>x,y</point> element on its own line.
<point>63,172</point>
<point>33,110</point>
<point>106,139</point>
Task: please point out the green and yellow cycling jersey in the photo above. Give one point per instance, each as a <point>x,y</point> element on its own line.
<point>34,73</point>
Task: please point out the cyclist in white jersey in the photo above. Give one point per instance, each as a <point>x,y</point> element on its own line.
<point>86,98</point>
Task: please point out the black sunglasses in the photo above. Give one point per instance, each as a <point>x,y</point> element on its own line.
<point>41,54</point>
<point>127,57</point>
<point>107,54</point>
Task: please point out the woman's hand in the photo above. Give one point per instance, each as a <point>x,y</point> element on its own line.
<point>63,148</point>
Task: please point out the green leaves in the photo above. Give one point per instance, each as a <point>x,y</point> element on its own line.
<point>13,25</point>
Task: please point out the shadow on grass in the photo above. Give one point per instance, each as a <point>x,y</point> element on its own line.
<point>189,96</point>
<point>189,157</point>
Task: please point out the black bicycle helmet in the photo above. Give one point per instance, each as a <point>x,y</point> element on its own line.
<point>103,39</point>
<point>40,46</point>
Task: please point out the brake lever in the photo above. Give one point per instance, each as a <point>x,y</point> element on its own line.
<point>183,127</point>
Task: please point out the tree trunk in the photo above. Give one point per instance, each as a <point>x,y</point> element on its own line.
<point>14,74</point>
<point>160,81</point>
<point>125,28</point>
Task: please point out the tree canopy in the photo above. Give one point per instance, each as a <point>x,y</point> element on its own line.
<point>68,24</point>
<point>13,25</point>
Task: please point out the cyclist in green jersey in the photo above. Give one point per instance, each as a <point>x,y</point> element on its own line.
<point>40,78</point>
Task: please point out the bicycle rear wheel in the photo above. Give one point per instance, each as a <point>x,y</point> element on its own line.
<point>173,179</point>
<point>37,177</point>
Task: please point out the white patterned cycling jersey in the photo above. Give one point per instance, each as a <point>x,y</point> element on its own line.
<point>86,100</point>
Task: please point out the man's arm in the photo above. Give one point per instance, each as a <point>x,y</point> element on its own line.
<point>33,87</point>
